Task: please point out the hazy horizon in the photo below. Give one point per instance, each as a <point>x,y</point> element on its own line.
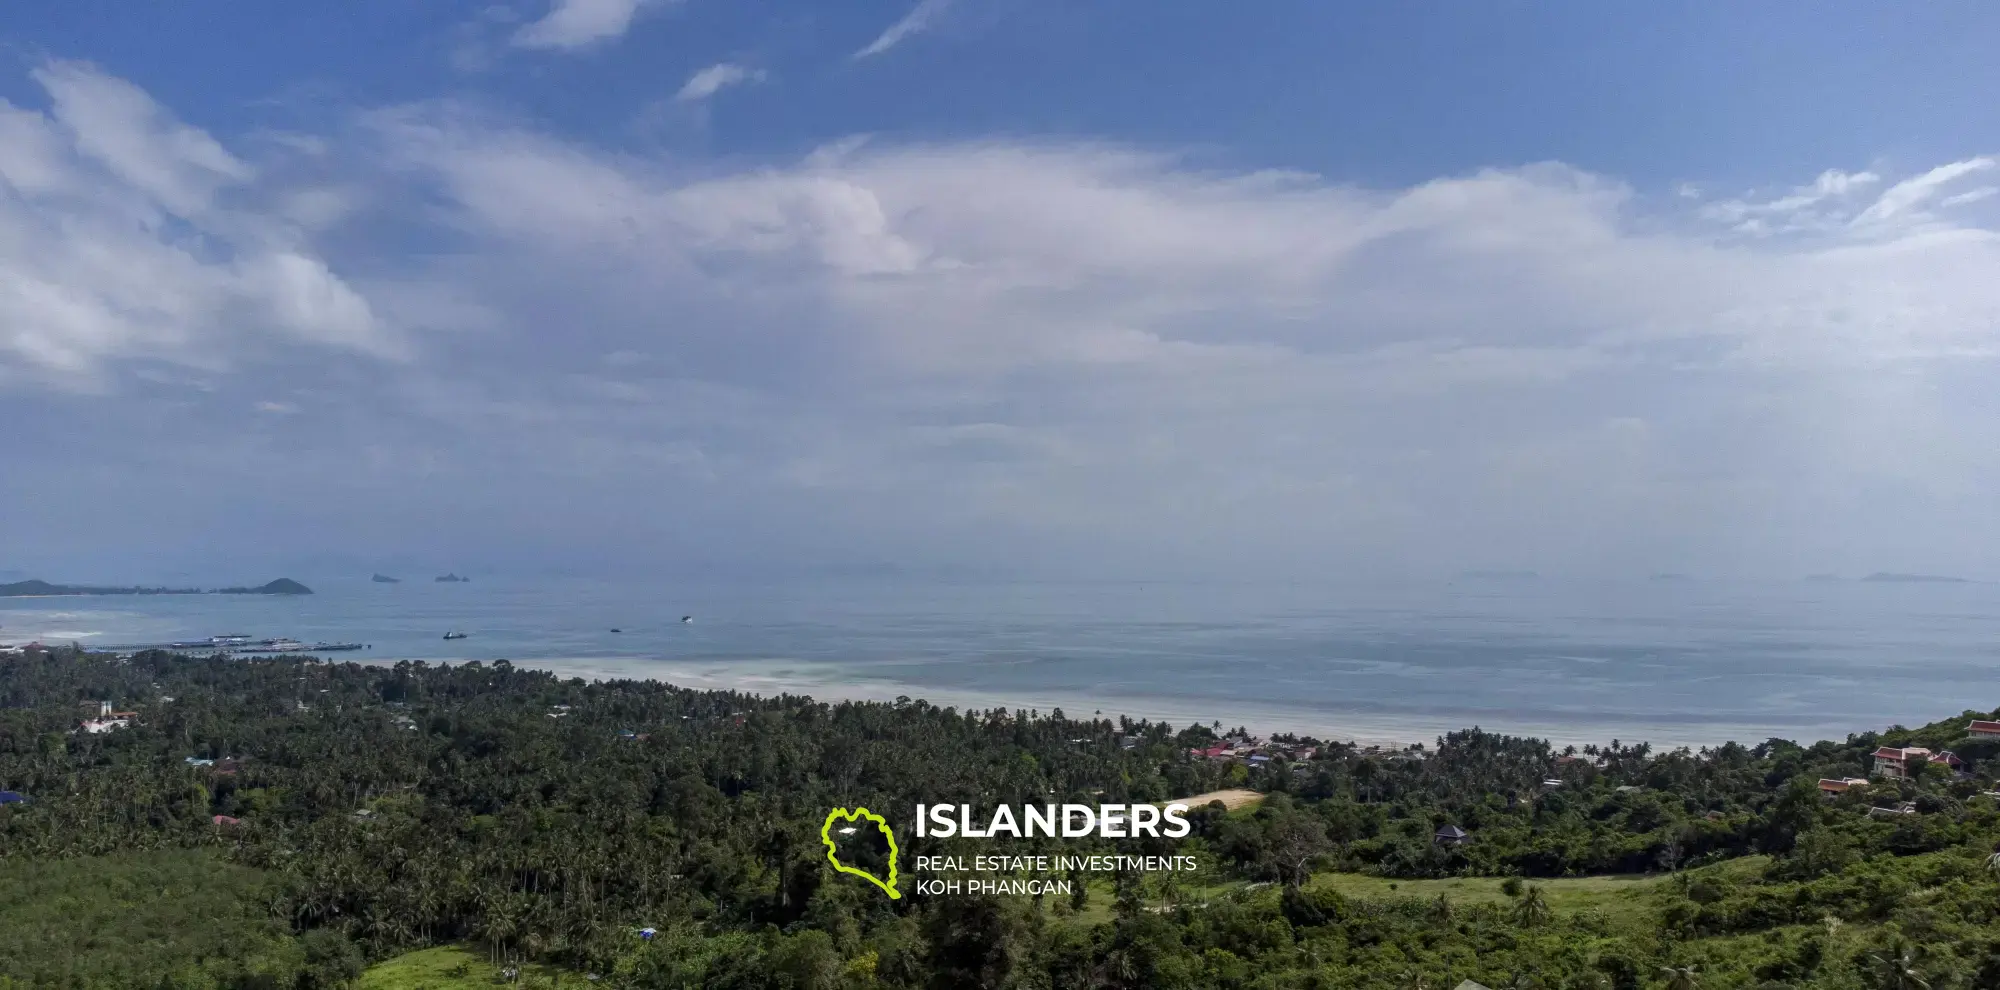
<point>738,573</point>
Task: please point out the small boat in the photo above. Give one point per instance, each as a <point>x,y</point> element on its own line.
<point>687,619</point>
<point>617,630</point>
<point>455,635</point>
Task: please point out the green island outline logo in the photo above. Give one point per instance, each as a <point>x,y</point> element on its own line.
<point>832,852</point>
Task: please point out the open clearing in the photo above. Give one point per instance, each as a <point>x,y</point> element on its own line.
<point>1231,799</point>
<point>440,969</point>
<point>1614,895</point>
<point>1624,896</point>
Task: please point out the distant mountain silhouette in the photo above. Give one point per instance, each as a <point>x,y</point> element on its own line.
<point>385,579</point>
<point>451,579</point>
<point>282,586</point>
<point>1885,577</point>
<point>36,589</point>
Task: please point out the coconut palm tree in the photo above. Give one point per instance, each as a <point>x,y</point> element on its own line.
<point>1441,911</point>
<point>1533,909</point>
<point>1898,970</point>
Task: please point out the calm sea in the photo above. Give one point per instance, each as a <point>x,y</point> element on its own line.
<point>1670,662</point>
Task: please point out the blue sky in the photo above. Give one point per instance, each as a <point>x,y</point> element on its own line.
<point>1112,288</point>
<point>1710,91</point>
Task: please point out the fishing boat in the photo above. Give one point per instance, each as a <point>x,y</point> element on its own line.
<point>455,635</point>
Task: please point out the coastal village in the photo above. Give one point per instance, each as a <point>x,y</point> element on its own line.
<point>1886,776</point>
<point>1237,747</point>
<point>1888,765</point>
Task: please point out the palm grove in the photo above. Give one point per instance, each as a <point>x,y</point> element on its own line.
<point>285,822</point>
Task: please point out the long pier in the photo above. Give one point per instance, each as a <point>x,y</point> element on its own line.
<point>231,644</point>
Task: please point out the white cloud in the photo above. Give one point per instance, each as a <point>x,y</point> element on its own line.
<point>1141,343</point>
<point>1063,351</point>
<point>714,79</point>
<point>1969,197</point>
<point>575,24</point>
<point>1834,182</point>
<point>921,18</point>
<point>114,245</point>
<point>116,124</point>
<point>1003,255</point>
<point>1905,196</point>
<point>1808,207</point>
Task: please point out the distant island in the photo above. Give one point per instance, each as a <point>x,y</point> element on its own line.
<point>385,579</point>
<point>1884,577</point>
<point>43,589</point>
<point>1501,576</point>
<point>451,579</point>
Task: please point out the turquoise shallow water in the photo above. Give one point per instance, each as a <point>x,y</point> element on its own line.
<point>1669,662</point>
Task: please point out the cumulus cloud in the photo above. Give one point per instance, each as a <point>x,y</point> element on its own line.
<point>575,24</point>
<point>121,239</point>
<point>921,18</point>
<point>715,79</point>
<point>1096,340</point>
<point>1068,355</point>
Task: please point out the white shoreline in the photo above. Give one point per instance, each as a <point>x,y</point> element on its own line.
<point>770,678</point>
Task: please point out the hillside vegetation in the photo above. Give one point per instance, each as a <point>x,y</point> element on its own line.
<point>133,918</point>
<point>495,818</point>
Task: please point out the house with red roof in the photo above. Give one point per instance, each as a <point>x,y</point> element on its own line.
<point>1983,729</point>
<point>1900,763</point>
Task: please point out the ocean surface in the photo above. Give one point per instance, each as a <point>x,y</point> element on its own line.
<point>1673,663</point>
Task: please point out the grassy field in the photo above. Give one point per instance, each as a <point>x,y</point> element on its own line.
<point>1616,896</point>
<point>1626,897</point>
<point>1232,800</point>
<point>454,968</point>
<point>1620,898</point>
